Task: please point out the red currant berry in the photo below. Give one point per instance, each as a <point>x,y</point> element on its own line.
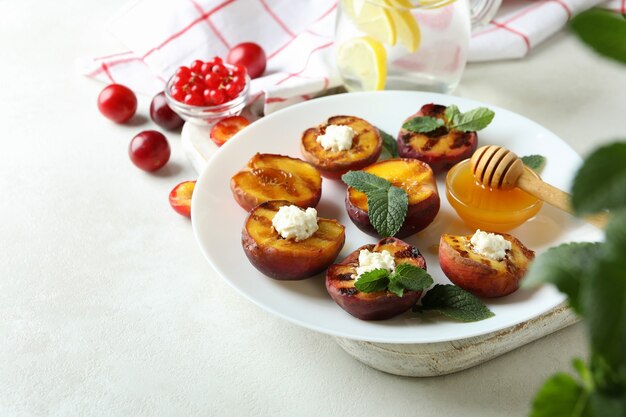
<point>117,102</point>
<point>240,70</point>
<point>149,150</point>
<point>217,97</point>
<point>212,80</point>
<point>232,90</point>
<point>194,99</point>
<point>219,69</point>
<point>196,66</point>
<point>197,89</point>
<point>218,61</point>
<point>183,72</point>
<point>239,80</point>
<point>180,81</point>
<point>177,94</point>
<point>206,68</point>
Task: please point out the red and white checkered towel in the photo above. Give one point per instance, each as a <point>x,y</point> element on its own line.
<point>297,35</point>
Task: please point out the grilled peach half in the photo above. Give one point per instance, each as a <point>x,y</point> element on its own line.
<point>379,305</point>
<point>441,148</point>
<point>413,176</point>
<point>276,177</point>
<point>286,259</point>
<point>482,276</point>
<point>365,150</point>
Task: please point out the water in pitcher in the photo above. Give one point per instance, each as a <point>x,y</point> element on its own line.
<point>395,45</point>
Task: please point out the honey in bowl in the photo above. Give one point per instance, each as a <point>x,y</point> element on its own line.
<point>485,208</point>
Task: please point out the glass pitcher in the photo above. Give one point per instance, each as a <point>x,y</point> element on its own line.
<point>406,44</point>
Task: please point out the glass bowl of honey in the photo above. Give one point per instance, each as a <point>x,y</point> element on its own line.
<point>485,208</point>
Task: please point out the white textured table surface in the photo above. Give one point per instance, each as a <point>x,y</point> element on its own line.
<point>107,307</point>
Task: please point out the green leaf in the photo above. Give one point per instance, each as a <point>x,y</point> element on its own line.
<point>364,181</point>
<point>389,143</point>
<point>423,124</point>
<point>561,396</point>
<point>395,287</point>
<point>604,304</point>
<point>604,405</point>
<point>601,181</point>
<point>387,210</point>
<point>616,234</point>
<point>455,303</point>
<point>565,266</point>
<point>452,114</point>
<point>602,30</point>
<point>372,281</point>
<point>534,162</point>
<point>412,278</point>
<point>474,120</point>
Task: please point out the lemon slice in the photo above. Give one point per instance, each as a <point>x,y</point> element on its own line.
<point>362,63</point>
<point>376,21</point>
<point>408,31</point>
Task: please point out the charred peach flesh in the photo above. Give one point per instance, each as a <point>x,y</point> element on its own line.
<point>365,150</point>
<point>287,259</point>
<point>276,177</point>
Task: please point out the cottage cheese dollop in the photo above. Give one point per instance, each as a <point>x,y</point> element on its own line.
<point>291,222</point>
<point>336,138</point>
<point>490,245</point>
<point>369,261</point>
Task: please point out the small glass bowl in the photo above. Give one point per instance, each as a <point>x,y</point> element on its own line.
<point>208,115</point>
<point>486,208</point>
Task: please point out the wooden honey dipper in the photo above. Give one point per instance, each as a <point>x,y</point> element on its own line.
<point>499,168</point>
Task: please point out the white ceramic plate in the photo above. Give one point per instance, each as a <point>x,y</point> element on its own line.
<point>218,220</point>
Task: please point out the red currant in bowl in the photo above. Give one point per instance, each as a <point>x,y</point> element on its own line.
<point>149,150</point>
<point>206,92</point>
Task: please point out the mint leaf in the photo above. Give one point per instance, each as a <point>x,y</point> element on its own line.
<point>455,303</point>
<point>364,181</point>
<point>395,287</point>
<point>601,181</point>
<point>565,266</point>
<point>412,278</point>
<point>390,145</point>
<point>422,124</point>
<point>534,162</point>
<point>452,114</point>
<point>602,30</point>
<point>603,296</point>
<point>474,120</point>
<point>387,210</point>
<point>372,281</point>
<point>561,395</point>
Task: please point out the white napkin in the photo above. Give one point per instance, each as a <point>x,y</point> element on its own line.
<point>520,25</point>
<point>297,35</point>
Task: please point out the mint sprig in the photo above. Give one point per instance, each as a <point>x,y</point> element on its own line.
<point>405,277</point>
<point>455,302</point>
<point>534,162</point>
<point>387,205</point>
<point>473,120</point>
<point>390,146</point>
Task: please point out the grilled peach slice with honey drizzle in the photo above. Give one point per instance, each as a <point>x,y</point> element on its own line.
<point>480,275</point>
<point>441,148</point>
<point>276,177</point>
<point>414,177</point>
<point>286,259</point>
<point>379,305</point>
<point>365,150</point>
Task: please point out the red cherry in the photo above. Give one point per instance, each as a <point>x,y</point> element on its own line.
<point>149,150</point>
<point>163,115</point>
<point>117,102</point>
<point>251,56</point>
